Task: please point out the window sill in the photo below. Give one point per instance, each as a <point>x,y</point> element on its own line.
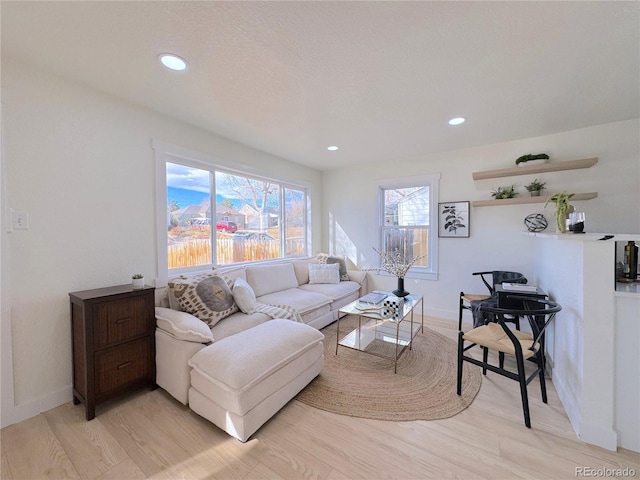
<point>410,276</point>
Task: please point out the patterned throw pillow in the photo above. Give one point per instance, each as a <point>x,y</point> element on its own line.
<point>207,296</point>
<point>329,259</point>
<point>324,273</point>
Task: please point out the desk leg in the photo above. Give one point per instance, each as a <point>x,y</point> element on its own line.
<point>411,333</point>
<point>395,361</point>
<point>337,333</point>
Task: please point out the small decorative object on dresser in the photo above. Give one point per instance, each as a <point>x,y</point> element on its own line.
<point>113,341</point>
<point>137,280</point>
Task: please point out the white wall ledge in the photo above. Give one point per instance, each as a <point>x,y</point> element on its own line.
<point>587,237</point>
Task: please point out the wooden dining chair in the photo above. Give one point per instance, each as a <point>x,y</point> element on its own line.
<point>470,301</point>
<point>523,346</point>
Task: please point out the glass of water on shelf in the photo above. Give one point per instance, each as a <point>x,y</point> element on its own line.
<point>576,222</point>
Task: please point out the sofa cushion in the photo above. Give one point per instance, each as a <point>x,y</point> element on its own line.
<point>301,267</point>
<point>301,300</point>
<point>236,323</point>
<point>183,326</point>
<point>207,296</point>
<point>331,259</point>
<point>324,273</point>
<point>265,279</point>
<point>241,371</point>
<point>334,291</point>
<point>244,296</point>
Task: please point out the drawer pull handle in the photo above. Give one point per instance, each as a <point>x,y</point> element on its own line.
<point>123,320</point>
<point>123,365</point>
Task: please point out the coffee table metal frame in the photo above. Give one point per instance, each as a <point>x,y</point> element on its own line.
<point>399,332</point>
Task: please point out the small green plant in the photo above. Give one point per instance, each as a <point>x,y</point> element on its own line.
<point>526,158</point>
<point>562,208</point>
<point>535,186</point>
<point>136,276</point>
<point>504,192</point>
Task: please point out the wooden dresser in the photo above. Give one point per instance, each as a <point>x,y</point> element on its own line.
<point>113,333</point>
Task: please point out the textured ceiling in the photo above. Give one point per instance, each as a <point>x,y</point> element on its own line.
<point>380,79</point>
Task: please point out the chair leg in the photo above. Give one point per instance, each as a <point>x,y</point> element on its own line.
<point>501,357</point>
<point>523,391</point>
<point>460,362</point>
<point>460,312</point>
<point>543,384</point>
<point>485,359</point>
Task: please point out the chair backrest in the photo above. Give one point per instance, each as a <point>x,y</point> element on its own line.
<point>499,276</point>
<point>538,311</point>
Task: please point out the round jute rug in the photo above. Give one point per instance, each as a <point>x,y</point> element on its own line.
<point>358,384</point>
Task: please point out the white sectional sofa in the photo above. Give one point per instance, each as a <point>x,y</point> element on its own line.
<point>180,336</point>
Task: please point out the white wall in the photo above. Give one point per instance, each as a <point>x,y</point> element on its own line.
<point>81,164</point>
<point>496,241</point>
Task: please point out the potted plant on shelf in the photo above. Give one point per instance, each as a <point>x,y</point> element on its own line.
<point>504,192</point>
<point>563,208</point>
<point>538,158</point>
<point>137,280</point>
<point>534,187</point>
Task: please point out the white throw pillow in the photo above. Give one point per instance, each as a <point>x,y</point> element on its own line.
<point>324,273</point>
<point>183,325</point>
<point>244,296</point>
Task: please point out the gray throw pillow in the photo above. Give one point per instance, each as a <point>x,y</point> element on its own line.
<point>323,258</point>
<point>205,296</point>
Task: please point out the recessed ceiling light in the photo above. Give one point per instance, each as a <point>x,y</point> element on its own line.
<point>333,148</point>
<point>173,62</point>
<point>457,121</point>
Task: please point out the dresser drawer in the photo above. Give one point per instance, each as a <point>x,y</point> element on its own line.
<point>119,320</point>
<point>122,364</point>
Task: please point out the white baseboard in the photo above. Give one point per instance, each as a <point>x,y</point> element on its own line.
<point>602,437</point>
<point>27,410</point>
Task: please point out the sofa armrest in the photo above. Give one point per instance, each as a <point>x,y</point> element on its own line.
<point>183,326</point>
<point>358,276</point>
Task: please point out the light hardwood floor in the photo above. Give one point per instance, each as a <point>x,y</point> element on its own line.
<point>150,435</point>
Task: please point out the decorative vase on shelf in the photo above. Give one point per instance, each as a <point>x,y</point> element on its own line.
<point>400,291</point>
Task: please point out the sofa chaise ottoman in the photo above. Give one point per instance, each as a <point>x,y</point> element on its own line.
<point>241,381</point>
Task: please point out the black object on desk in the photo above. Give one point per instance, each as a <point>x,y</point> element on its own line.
<point>504,302</point>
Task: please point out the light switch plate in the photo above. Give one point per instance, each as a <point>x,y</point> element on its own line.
<point>19,220</point>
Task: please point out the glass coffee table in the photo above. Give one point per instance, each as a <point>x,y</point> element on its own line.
<point>383,337</point>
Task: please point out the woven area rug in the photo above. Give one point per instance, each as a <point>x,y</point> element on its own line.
<point>358,384</point>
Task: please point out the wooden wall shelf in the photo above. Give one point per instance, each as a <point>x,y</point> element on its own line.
<point>523,200</point>
<point>539,168</point>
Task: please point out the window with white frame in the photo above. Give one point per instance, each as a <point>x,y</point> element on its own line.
<point>408,222</point>
<point>211,215</point>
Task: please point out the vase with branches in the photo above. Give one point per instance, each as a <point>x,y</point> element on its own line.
<point>396,264</point>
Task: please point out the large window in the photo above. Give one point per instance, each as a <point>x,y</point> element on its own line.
<point>217,216</point>
<point>407,222</point>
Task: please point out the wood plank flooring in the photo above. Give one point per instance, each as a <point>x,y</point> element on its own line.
<point>150,435</point>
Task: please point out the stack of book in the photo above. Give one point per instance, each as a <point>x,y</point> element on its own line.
<point>519,287</point>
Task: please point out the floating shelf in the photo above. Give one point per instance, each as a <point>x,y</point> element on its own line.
<point>540,168</point>
<point>523,200</point>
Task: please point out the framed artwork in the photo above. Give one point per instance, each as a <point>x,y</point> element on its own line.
<point>453,219</point>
